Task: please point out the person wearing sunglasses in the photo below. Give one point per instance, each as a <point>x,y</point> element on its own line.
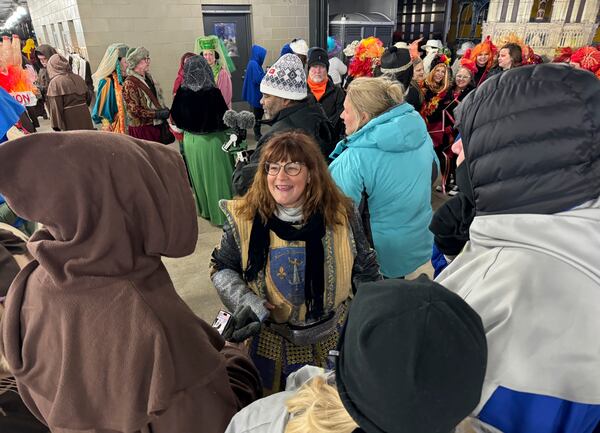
<point>292,251</point>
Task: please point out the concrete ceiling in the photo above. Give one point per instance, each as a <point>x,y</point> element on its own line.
<point>7,7</point>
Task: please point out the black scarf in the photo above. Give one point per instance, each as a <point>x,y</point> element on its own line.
<point>312,234</point>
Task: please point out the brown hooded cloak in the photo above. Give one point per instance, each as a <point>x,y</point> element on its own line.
<point>43,80</point>
<point>68,97</point>
<point>94,332</point>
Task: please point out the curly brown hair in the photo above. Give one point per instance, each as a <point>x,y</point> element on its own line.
<point>321,193</point>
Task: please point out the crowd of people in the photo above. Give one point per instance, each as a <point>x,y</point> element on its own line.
<point>327,225</point>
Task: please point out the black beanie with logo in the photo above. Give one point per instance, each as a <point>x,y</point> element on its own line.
<point>318,56</point>
<point>412,358</point>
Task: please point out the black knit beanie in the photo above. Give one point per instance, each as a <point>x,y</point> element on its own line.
<point>412,358</point>
<point>318,56</point>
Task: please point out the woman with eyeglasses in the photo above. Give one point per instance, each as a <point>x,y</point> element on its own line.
<point>146,112</point>
<point>462,86</point>
<point>292,251</point>
<point>385,165</point>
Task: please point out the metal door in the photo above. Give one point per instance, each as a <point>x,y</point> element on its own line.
<point>232,25</point>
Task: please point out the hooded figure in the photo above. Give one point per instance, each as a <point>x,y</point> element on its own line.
<point>109,108</point>
<point>94,332</point>
<point>43,54</point>
<point>198,110</point>
<point>531,140</point>
<point>68,97</point>
<point>251,89</point>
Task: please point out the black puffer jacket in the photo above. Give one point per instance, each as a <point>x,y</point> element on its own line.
<point>531,138</point>
<point>303,116</point>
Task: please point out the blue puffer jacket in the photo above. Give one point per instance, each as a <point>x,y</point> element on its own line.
<point>254,75</point>
<point>391,158</point>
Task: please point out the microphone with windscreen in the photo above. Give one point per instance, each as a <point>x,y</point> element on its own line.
<point>240,123</point>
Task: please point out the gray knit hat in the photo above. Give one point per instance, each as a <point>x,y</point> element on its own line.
<point>135,56</point>
<point>286,79</point>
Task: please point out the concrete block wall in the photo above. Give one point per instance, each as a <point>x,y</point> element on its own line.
<point>46,16</point>
<point>274,22</point>
<point>167,28</point>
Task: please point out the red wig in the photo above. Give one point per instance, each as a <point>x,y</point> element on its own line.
<point>487,46</point>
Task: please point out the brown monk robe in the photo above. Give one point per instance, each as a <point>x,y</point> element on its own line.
<point>93,331</point>
<point>68,97</point>
<point>14,416</point>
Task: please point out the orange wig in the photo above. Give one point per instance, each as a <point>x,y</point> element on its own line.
<point>487,46</point>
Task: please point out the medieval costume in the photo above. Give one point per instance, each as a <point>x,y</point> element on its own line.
<point>198,110</point>
<point>14,415</point>
<point>109,109</point>
<point>68,97</point>
<point>435,93</point>
<point>145,111</point>
<point>179,78</point>
<point>94,332</point>
<point>453,98</point>
<point>43,79</point>
<point>282,262</point>
<point>222,66</point>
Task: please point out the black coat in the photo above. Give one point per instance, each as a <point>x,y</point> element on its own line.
<point>414,96</point>
<point>332,102</point>
<point>308,118</point>
<point>531,138</point>
<point>199,112</point>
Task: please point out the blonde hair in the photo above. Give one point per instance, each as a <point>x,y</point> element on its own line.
<point>439,87</point>
<point>373,96</point>
<point>317,408</point>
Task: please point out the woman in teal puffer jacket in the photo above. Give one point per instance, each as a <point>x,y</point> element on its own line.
<point>387,160</point>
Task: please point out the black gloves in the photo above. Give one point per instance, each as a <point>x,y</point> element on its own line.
<point>244,324</point>
<point>162,114</point>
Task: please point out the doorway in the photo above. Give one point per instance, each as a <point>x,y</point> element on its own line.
<point>231,23</point>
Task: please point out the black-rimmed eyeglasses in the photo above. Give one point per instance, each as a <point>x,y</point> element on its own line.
<point>290,168</point>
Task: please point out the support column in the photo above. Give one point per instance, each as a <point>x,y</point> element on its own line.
<point>591,11</point>
<point>318,23</point>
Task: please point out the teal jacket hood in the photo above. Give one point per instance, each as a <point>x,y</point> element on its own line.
<point>399,129</point>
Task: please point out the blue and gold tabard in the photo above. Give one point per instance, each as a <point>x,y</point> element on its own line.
<point>282,284</point>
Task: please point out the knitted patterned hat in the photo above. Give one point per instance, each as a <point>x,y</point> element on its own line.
<point>286,79</point>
